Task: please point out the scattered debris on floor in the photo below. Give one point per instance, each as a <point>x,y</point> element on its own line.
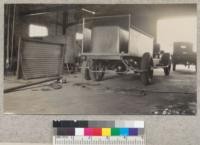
<point>87,84</point>
<point>56,85</point>
<point>62,80</point>
<point>175,109</point>
<point>35,90</point>
<point>45,89</point>
<point>145,91</point>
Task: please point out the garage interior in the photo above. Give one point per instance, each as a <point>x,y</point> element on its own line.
<point>59,85</point>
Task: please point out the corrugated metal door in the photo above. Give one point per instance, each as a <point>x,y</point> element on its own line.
<point>41,59</point>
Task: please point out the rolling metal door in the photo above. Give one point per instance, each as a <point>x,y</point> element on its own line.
<point>41,59</point>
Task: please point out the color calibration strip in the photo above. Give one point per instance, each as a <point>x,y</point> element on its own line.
<point>98,132</point>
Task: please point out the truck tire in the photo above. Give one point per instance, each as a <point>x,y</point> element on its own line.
<point>85,70</point>
<point>166,61</point>
<point>97,70</point>
<point>147,70</point>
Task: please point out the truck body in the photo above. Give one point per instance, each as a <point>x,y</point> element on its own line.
<point>115,40</point>
<point>112,43</point>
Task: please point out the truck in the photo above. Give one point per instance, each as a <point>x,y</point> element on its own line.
<point>113,43</point>
<point>183,54</point>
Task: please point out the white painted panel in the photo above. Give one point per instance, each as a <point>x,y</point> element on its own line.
<point>105,39</point>
<point>139,43</point>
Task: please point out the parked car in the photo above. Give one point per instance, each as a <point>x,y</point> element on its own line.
<point>183,54</point>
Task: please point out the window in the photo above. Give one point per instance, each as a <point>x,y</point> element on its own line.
<point>37,31</point>
<point>79,36</point>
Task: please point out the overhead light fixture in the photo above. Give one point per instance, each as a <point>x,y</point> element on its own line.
<point>85,10</point>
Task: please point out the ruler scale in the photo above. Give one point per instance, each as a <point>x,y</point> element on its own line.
<point>98,132</point>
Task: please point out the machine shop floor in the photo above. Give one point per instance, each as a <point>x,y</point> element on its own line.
<point>174,94</point>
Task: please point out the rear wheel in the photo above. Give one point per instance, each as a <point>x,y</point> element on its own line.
<point>85,70</point>
<point>147,69</point>
<point>97,70</point>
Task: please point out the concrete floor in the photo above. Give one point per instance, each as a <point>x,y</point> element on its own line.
<point>174,94</point>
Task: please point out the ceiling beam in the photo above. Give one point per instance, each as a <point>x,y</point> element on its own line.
<point>42,11</point>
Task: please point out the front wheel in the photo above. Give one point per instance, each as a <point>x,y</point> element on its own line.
<point>147,69</point>
<point>97,70</point>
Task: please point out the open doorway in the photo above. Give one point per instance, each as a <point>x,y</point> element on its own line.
<point>170,30</point>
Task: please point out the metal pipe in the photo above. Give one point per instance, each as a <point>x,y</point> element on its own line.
<point>65,21</point>
<point>57,15</point>
<point>102,17</point>
<point>89,11</point>
<point>43,42</point>
<point>13,32</point>
<point>8,35</point>
<point>18,58</point>
<point>30,84</point>
<point>83,28</point>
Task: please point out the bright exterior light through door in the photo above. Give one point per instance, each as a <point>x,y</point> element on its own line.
<point>175,29</point>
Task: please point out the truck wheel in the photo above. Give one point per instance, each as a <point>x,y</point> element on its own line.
<point>97,70</point>
<point>147,69</point>
<point>166,61</point>
<point>85,70</point>
<point>174,66</point>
